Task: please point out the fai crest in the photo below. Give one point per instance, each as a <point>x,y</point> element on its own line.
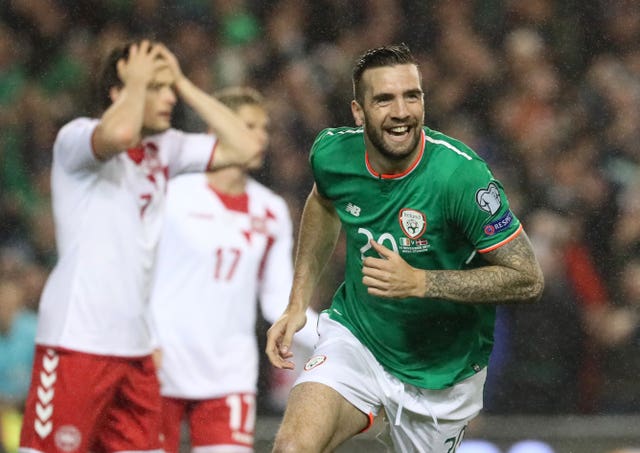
<point>412,222</point>
<point>315,361</point>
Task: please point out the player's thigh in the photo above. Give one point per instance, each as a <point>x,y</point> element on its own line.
<point>134,419</point>
<point>173,410</point>
<point>318,418</point>
<point>336,395</point>
<point>223,425</point>
<point>67,400</point>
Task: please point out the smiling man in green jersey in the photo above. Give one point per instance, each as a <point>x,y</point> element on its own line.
<point>432,247</point>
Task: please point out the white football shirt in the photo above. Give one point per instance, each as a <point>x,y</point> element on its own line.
<point>108,218</point>
<point>218,256</point>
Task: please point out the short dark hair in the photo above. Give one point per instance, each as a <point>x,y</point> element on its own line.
<point>392,55</point>
<point>236,96</point>
<point>109,72</point>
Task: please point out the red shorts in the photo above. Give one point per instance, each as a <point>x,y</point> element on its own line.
<point>229,420</point>
<point>80,402</point>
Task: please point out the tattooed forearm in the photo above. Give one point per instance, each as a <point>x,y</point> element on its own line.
<point>513,276</point>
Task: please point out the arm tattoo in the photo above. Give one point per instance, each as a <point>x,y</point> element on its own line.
<point>513,275</point>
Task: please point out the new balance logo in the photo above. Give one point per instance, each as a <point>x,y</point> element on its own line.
<point>353,209</point>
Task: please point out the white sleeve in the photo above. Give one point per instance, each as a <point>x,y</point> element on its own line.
<point>191,152</point>
<point>73,149</point>
<point>153,328</point>
<point>277,278</point>
<point>277,272</point>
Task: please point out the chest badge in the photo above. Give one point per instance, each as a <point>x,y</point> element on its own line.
<point>412,222</point>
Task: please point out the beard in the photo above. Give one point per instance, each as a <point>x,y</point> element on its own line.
<point>389,151</point>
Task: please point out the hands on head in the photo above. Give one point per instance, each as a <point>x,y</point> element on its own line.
<point>145,59</point>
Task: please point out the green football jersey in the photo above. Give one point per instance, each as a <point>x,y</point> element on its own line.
<point>442,213</point>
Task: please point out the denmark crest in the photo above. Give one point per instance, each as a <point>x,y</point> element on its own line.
<point>68,438</point>
<point>412,222</point>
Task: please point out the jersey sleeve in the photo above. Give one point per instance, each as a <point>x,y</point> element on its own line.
<point>315,158</point>
<point>276,273</point>
<point>190,152</point>
<point>73,148</point>
<point>478,206</point>
<point>277,277</point>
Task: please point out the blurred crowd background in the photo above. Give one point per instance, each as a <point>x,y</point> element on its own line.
<point>548,92</point>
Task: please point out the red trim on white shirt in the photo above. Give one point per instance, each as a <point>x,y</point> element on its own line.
<point>263,260</point>
<point>213,152</point>
<point>238,203</point>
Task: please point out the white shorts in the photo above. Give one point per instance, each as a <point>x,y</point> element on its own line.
<point>418,419</point>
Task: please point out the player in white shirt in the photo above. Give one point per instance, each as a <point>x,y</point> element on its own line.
<point>226,244</point>
<point>94,385</point>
